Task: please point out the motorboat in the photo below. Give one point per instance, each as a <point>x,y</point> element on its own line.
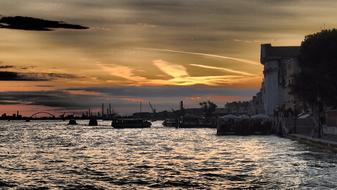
<point>122,123</point>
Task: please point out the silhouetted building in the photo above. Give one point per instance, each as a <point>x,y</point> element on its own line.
<point>256,104</point>
<point>280,64</point>
<point>252,107</point>
<point>238,107</point>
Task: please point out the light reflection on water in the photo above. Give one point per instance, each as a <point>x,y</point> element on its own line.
<point>54,155</point>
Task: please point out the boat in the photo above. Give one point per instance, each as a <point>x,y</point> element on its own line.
<point>242,125</point>
<point>122,123</point>
<point>72,122</point>
<point>93,122</point>
<point>171,123</point>
<point>192,121</point>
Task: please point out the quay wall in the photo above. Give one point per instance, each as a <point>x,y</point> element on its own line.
<point>307,127</point>
<point>304,130</point>
<point>322,143</point>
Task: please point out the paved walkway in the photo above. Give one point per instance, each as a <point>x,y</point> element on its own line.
<point>326,141</point>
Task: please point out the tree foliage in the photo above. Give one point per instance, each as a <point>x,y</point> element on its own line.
<point>318,64</point>
<point>208,108</point>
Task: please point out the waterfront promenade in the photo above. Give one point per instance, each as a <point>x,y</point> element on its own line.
<point>304,130</point>
<point>326,142</point>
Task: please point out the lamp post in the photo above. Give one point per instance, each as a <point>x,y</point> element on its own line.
<point>320,109</point>
<point>295,117</point>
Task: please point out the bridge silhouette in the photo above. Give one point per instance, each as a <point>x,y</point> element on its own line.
<point>50,114</point>
<point>42,112</point>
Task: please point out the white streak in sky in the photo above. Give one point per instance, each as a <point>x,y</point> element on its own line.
<point>204,54</point>
<point>223,69</point>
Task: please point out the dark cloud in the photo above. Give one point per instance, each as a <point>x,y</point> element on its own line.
<point>45,98</point>
<point>45,86</point>
<point>6,66</point>
<point>7,102</point>
<point>11,73</point>
<point>57,99</point>
<point>18,76</point>
<point>14,76</point>
<point>30,23</point>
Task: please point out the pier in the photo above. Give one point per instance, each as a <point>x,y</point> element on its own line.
<point>244,125</point>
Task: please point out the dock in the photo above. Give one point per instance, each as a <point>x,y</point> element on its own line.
<point>234,125</point>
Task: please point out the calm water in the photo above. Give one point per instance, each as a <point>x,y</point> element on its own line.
<point>52,155</point>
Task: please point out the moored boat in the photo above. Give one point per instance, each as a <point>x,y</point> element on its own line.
<point>72,122</point>
<point>93,122</point>
<point>171,123</point>
<point>238,125</point>
<point>122,123</point>
<point>191,121</point>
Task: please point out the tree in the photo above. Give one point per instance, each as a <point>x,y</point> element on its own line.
<point>208,108</point>
<point>317,79</point>
<point>316,83</point>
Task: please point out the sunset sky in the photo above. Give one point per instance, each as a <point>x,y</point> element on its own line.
<point>161,51</point>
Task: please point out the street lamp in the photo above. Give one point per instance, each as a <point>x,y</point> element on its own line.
<point>295,117</point>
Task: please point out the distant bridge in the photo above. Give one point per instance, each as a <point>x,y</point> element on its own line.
<point>42,112</point>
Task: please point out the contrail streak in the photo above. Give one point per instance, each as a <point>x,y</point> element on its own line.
<point>223,69</point>
<point>204,54</point>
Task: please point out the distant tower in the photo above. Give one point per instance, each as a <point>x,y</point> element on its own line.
<point>182,109</point>
<point>102,110</point>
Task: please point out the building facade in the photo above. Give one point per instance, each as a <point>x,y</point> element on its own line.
<point>256,104</point>
<point>252,107</point>
<point>280,64</point>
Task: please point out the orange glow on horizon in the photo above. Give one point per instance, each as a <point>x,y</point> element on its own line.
<point>218,98</point>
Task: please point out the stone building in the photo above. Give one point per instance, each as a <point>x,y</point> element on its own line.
<point>256,104</point>
<point>239,107</point>
<point>252,107</point>
<point>280,64</point>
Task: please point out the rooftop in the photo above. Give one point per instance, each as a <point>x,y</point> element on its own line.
<point>278,52</point>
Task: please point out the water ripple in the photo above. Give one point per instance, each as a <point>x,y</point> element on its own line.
<point>52,155</point>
